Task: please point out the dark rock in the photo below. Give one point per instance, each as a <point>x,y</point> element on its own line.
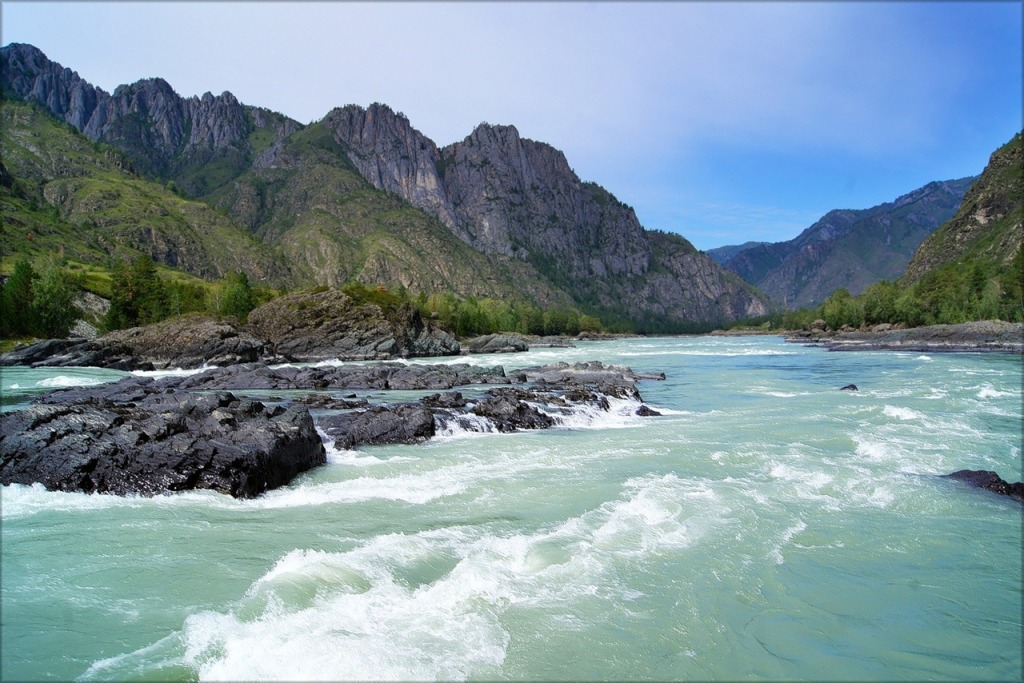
<point>990,480</point>
<point>183,342</point>
<point>657,376</point>
<point>188,342</point>
<point>451,399</point>
<point>646,411</point>
<point>382,376</point>
<point>328,402</point>
<point>496,343</point>
<point>976,336</point>
<point>140,436</point>
<point>507,409</point>
<point>75,353</point>
<point>849,387</point>
<point>404,423</point>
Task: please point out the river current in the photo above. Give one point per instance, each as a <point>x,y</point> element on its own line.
<point>766,526</point>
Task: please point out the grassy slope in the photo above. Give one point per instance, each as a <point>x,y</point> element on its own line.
<point>73,197</point>
<point>988,225</point>
<point>332,226</point>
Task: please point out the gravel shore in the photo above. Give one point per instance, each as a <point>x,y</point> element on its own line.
<point>980,336</point>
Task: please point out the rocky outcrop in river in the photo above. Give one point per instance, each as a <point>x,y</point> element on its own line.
<point>990,481</point>
<point>146,436</point>
<point>138,436</point>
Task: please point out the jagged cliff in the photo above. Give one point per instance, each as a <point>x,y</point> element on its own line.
<point>199,142</point>
<point>988,225</point>
<point>495,214</point>
<point>848,249</point>
<point>66,195</point>
<point>508,196</point>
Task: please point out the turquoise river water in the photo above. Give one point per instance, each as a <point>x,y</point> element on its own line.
<point>767,526</point>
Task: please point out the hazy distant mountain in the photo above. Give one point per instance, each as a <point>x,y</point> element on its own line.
<point>846,248</point>
<point>361,194</point>
<point>988,224</point>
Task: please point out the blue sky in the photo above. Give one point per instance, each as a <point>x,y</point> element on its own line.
<point>722,121</point>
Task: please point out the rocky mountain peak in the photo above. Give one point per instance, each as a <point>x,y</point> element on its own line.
<point>163,134</point>
<point>393,156</point>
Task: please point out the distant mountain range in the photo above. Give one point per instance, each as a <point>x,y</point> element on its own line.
<point>849,249</point>
<point>208,184</point>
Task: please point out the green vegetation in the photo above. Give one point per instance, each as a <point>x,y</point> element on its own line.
<point>472,316</point>
<point>34,305</point>
<point>141,296</point>
<point>955,293</point>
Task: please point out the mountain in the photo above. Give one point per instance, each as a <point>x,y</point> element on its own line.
<point>363,195</point>
<point>849,249</point>
<point>988,224</point>
<point>62,194</point>
<point>511,197</point>
<point>199,143</point>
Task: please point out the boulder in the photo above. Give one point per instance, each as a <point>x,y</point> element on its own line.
<point>496,343</point>
<point>508,410</point>
<point>138,436</point>
<point>991,481</point>
<point>403,423</point>
<point>183,342</point>
<point>330,324</point>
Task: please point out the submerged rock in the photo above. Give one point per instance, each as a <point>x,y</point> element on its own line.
<point>138,436</point>
<point>991,481</point>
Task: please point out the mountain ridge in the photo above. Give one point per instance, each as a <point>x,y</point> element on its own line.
<point>533,221</point>
<point>846,248</point>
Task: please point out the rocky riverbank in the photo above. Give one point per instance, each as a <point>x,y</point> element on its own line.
<point>979,336</point>
<point>147,436</point>
<point>296,328</point>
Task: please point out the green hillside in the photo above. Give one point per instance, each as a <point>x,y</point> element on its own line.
<point>67,196</point>
<point>332,227</point>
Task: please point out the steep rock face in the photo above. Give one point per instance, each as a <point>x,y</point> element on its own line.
<point>849,249</point>
<point>164,135</point>
<point>393,156</point>
<point>514,198</point>
<point>989,224</point>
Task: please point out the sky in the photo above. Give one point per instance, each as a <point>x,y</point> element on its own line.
<point>722,121</point>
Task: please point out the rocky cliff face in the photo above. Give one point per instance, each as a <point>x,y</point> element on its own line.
<point>849,249</point>
<point>163,134</point>
<point>988,224</point>
<point>532,224</point>
<point>393,156</point>
<point>511,197</point>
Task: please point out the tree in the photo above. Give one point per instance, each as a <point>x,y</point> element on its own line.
<point>53,306</point>
<point>237,299</point>
<point>17,300</point>
<point>840,309</point>
<point>139,295</point>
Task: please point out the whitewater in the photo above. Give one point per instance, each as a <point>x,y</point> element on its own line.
<point>767,525</point>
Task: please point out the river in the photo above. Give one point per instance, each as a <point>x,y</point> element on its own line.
<point>766,526</point>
